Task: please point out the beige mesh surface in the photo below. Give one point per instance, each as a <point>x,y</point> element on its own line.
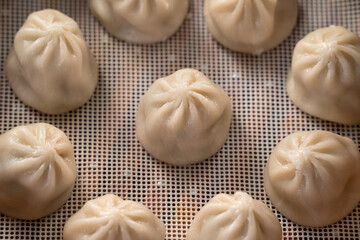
<point>111,160</point>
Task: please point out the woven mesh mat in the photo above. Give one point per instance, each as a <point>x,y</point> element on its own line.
<point>111,160</point>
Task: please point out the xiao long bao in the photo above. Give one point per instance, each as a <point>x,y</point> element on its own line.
<point>183,118</point>
<point>37,171</point>
<point>313,177</point>
<point>140,21</point>
<point>250,26</point>
<point>50,67</point>
<point>324,79</point>
<point>110,218</point>
<point>234,217</point>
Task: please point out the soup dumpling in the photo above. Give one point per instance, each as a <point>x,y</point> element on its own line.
<point>141,21</point>
<point>313,177</point>
<point>37,171</point>
<point>50,67</point>
<point>183,118</point>
<point>250,26</point>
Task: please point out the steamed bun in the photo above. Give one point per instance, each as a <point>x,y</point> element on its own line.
<point>37,171</point>
<point>50,67</point>
<point>183,118</point>
<point>313,177</point>
<point>234,217</point>
<point>250,26</point>
<point>111,218</point>
<point>141,21</point>
<point>324,79</point>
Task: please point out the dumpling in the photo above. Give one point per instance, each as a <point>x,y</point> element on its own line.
<point>37,171</point>
<point>111,218</point>
<point>250,26</point>
<point>313,177</point>
<point>234,217</point>
<point>50,67</point>
<point>183,118</point>
<point>140,21</point>
<point>324,79</point>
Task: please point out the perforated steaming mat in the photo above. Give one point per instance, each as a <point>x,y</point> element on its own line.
<point>111,160</point>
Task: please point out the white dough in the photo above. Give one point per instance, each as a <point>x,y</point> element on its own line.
<point>141,21</point>
<point>183,118</point>
<point>324,79</point>
<point>250,26</point>
<point>50,67</point>
<point>37,171</point>
<point>234,217</point>
<point>111,218</point>
<point>313,178</point>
